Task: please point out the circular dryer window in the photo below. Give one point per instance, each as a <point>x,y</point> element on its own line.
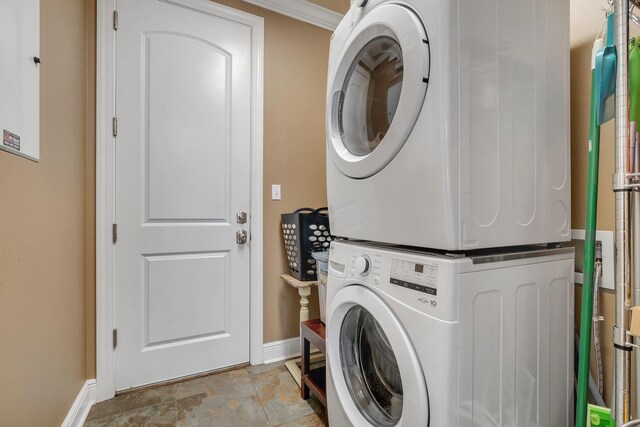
<point>370,368</point>
<point>371,94</point>
<point>377,89</point>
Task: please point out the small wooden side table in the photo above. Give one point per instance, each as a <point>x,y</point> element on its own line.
<point>304,289</point>
<point>312,332</point>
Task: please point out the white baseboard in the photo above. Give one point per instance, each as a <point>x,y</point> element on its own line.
<point>281,350</point>
<point>82,405</point>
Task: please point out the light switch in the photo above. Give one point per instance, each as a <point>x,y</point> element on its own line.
<point>276,193</point>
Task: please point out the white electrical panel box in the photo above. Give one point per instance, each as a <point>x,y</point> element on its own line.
<point>20,78</point>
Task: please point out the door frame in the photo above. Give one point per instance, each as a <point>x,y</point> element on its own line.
<point>105,183</point>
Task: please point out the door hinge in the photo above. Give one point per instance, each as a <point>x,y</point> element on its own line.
<point>115,20</point>
<point>114,124</point>
<point>114,233</point>
<point>115,338</point>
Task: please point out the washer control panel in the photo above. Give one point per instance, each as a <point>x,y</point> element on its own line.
<point>426,282</point>
<point>411,275</point>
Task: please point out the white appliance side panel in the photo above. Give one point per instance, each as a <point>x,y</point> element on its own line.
<point>514,122</point>
<point>516,365</point>
<point>561,381</point>
<point>479,108</point>
<point>20,78</point>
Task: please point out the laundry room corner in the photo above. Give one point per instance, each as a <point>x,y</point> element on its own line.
<point>441,153</point>
<point>586,19</point>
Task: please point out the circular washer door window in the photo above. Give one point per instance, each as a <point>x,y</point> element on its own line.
<point>370,368</point>
<point>376,373</point>
<point>378,90</point>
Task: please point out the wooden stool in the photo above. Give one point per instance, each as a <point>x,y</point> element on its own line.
<point>313,380</point>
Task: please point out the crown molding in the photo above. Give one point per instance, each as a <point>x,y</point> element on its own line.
<point>302,10</point>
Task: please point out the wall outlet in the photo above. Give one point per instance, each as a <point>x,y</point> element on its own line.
<point>276,192</point>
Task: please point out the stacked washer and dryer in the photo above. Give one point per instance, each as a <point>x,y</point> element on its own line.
<point>448,170</point>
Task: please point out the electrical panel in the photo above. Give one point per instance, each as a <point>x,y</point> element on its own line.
<point>20,78</point>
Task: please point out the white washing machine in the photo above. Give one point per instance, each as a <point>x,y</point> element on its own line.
<point>448,123</point>
<point>418,339</point>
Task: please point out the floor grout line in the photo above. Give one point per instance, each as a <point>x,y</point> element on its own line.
<point>255,390</point>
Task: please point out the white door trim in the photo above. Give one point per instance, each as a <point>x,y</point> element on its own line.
<point>105,178</point>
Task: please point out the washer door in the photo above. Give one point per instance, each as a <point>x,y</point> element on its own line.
<point>378,90</point>
<point>374,367</point>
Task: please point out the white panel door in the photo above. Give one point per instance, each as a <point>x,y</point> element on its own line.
<point>183,104</point>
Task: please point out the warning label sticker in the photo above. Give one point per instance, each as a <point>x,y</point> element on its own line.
<point>11,140</point>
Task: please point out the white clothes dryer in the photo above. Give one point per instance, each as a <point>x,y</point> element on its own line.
<point>417,339</point>
<point>448,123</point>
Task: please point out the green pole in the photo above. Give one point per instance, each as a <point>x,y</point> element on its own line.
<point>589,258</point>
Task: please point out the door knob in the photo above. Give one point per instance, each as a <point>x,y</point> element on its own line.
<point>241,217</point>
<point>241,237</point>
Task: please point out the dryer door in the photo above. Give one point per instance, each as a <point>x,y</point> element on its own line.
<point>374,367</point>
<point>377,91</point>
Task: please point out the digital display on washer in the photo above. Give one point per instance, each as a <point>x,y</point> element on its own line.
<point>419,277</point>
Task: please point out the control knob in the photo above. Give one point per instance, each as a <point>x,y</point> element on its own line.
<point>363,264</point>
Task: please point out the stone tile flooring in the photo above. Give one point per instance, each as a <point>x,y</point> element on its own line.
<point>263,395</point>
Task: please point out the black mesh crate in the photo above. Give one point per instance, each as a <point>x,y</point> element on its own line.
<point>305,231</point>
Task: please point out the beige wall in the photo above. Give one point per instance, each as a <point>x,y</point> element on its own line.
<point>90,186</point>
<point>586,19</point>
<point>43,327</point>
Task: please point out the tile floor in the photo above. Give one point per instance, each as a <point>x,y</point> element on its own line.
<point>263,395</point>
